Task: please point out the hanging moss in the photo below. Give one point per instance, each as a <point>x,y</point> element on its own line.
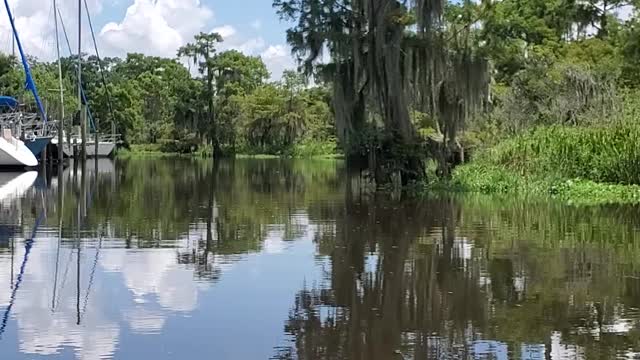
<point>388,58</point>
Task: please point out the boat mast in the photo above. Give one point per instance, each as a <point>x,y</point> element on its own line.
<point>13,45</point>
<point>96,126</point>
<point>27,70</point>
<point>61,120</point>
<point>83,125</point>
<point>104,80</point>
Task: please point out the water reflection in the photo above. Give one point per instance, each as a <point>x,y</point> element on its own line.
<point>166,259</point>
<point>126,260</point>
<point>12,187</point>
<point>472,278</point>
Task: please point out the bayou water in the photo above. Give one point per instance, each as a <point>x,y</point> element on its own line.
<point>284,259</point>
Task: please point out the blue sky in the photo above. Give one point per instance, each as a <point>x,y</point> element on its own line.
<point>241,14</point>
<point>251,26</point>
<point>156,27</point>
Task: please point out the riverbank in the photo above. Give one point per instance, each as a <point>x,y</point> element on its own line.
<point>579,165</point>
<point>484,179</point>
<point>304,152</point>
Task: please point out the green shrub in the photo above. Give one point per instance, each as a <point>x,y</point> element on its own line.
<point>311,148</point>
<point>485,179</point>
<point>179,146</point>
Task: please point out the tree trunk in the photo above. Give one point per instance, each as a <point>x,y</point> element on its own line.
<point>385,60</point>
<point>604,21</point>
<point>212,118</point>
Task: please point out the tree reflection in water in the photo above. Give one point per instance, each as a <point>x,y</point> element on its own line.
<point>453,279</point>
<point>444,277</point>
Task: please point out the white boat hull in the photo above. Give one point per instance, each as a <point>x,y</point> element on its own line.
<point>105,149</point>
<point>14,153</point>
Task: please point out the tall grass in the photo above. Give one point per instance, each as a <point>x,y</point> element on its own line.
<point>606,153</point>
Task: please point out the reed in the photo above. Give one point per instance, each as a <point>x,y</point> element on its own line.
<point>607,154</point>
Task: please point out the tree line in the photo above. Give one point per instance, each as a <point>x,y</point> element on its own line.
<point>202,100</point>
<point>406,83</point>
<point>431,80</point>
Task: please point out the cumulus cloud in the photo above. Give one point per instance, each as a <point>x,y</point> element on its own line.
<point>156,27</point>
<point>278,58</point>
<point>35,25</point>
<point>234,40</point>
<point>152,27</point>
<point>226,31</point>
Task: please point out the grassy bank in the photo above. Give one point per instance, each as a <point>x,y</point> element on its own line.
<point>148,150</point>
<point>300,151</point>
<point>582,165</point>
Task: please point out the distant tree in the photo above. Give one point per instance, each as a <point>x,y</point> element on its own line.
<point>202,51</point>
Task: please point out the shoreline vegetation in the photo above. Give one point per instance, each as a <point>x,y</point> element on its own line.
<point>156,150</point>
<point>518,97</point>
<point>585,165</point>
<point>575,165</point>
<point>480,179</point>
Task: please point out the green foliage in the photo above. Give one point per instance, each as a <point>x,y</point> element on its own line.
<point>485,179</point>
<point>285,119</point>
<point>229,107</point>
<point>566,94</point>
<point>491,179</point>
<point>601,153</point>
<point>584,165</point>
<point>630,49</point>
<point>239,74</point>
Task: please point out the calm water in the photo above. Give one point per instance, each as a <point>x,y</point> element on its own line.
<point>252,259</point>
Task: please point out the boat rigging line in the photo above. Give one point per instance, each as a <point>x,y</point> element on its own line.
<point>100,67</point>
<point>84,96</point>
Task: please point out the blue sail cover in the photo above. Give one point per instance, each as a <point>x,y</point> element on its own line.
<point>30,85</point>
<point>8,101</point>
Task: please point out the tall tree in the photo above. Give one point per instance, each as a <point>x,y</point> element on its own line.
<point>387,56</point>
<point>239,73</point>
<point>202,51</point>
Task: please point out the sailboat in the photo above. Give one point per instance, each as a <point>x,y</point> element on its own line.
<point>106,143</point>
<point>37,139</point>
<point>13,152</point>
<point>33,135</point>
<point>106,147</point>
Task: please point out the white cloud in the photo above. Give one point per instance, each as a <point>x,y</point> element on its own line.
<point>226,31</point>
<point>152,27</point>
<point>35,25</point>
<point>278,58</point>
<point>156,27</point>
<point>251,46</point>
<point>236,41</point>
